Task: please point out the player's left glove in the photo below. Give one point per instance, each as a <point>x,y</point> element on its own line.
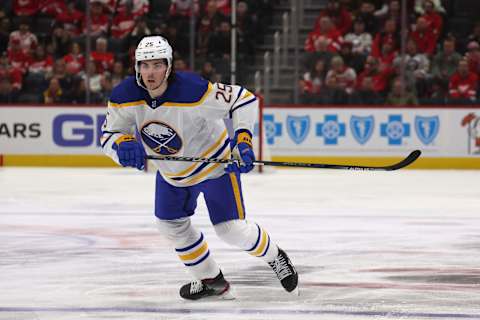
<point>242,150</point>
<point>130,152</point>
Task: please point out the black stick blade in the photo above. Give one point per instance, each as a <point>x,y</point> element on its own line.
<point>405,162</point>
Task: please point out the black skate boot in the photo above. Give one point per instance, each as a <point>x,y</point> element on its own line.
<point>285,271</point>
<point>198,289</point>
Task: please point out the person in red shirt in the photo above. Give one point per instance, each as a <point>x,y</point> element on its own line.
<point>380,74</point>
<point>434,19</point>
<point>52,7</point>
<point>389,34</point>
<point>312,82</point>
<point>424,36</point>
<point>71,19</point>
<point>473,57</point>
<point>99,20</point>
<point>75,60</point>
<point>345,75</point>
<point>123,23</point>
<point>41,64</point>
<point>25,7</point>
<point>387,53</point>
<point>27,40</point>
<point>101,57</point>
<point>327,30</point>
<point>7,71</point>
<point>17,58</point>
<point>463,84</point>
<point>341,17</point>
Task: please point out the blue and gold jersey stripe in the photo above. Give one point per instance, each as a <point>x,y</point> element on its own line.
<point>199,170</point>
<point>213,147</point>
<point>247,98</point>
<point>225,145</point>
<point>137,103</point>
<point>262,244</point>
<point>238,196</point>
<point>203,174</point>
<point>106,135</point>
<point>208,169</point>
<point>194,254</point>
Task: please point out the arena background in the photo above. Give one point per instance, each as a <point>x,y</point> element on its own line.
<point>342,81</point>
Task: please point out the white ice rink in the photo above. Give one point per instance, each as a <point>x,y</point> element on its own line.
<point>81,244</point>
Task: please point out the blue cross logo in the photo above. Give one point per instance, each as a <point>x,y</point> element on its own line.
<point>272,129</point>
<point>395,129</point>
<point>330,129</point>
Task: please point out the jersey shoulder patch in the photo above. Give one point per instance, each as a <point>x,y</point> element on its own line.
<point>127,93</point>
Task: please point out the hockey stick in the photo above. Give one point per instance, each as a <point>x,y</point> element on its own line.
<point>405,162</point>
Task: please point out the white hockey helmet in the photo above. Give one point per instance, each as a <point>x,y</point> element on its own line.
<point>152,48</point>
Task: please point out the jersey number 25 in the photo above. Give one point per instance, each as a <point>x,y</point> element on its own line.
<point>225,91</point>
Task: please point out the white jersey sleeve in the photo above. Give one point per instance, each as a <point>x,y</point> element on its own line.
<point>235,102</point>
<point>119,121</point>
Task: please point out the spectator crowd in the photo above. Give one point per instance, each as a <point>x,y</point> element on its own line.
<point>353,56</point>
<point>43,43</point>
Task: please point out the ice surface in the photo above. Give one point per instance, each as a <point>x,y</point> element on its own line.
<point>81,244</point>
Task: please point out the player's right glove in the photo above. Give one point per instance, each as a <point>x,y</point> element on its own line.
<point>130,152</point>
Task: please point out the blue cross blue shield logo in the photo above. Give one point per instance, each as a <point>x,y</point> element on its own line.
<point>298,128</point>
<point>395,130</point>
<point>362,128</point>
<point>272,129</point>
<point>331,129</point>
<point>427,128</point>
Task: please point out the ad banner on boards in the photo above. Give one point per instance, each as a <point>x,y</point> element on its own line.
<point>446,132</point>
<point>51,130</point>
<point>377,132</point>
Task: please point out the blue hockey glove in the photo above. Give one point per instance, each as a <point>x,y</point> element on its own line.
<point>242,148</point>
<point>130,152</point>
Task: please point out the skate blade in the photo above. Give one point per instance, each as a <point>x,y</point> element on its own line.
<point>227,295</point>
<point>295,292</point>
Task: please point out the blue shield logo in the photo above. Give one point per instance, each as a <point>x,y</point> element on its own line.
<point>427,128</point>
<point>298,128</point>
<point>362,128</point>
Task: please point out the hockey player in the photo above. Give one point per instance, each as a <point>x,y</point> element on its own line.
<point>182,114</point>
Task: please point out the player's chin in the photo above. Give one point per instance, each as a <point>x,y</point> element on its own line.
<point>152,85</point>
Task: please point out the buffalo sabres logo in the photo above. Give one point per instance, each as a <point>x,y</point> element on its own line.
<point>362,128</point>
<point>161,138</point>
<point>298,128</point>
<point>427,128</point>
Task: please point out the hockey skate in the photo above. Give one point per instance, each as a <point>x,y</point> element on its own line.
<point>285,271</point>
<point>216,287</point>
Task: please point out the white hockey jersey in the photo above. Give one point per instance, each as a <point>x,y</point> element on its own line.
<point>187,120</point>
